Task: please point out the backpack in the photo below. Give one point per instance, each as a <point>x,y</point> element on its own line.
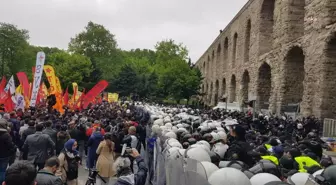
<point>72,172</point>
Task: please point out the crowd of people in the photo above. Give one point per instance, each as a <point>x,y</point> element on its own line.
<point>135,143</point>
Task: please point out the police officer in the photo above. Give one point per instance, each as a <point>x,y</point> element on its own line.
<point>239,148</point>
<point>302,163</point>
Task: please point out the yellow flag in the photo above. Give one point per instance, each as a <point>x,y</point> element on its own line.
<point>58,86</point>
<point>112,97</point>
<point>50,73</point>
<point>18,90</point>
<point>45,91</point>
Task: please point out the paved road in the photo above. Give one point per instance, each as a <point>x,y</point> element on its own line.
<point>83,176</point>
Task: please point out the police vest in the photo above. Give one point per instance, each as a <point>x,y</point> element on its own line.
<point>271,158</point>
<point>305,161</point>
<point>268,146</point>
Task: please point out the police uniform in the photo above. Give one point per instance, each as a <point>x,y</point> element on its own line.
<point>271,158</point>
<point>305,162</point>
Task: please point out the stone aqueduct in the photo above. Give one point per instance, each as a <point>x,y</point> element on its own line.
<point>281,51</point>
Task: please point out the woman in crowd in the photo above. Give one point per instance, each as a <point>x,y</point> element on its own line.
<point>69,162</point>
<point>105,159</point>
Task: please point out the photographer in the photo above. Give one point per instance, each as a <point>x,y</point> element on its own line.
<point>124,173</point>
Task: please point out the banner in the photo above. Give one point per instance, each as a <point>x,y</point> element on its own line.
<point>40,58</point>
<point>75,90</point>
<point>20,102</point>
<point>66,97</point>
<point>45,93</point>
<point>18,90</point>
<point>58,86</point>
<point>24,83</point>
<point>9,104</point>
<point>113,97</point>
<point>50,73</point>
<point>95,91</point>
<point>10,85</point>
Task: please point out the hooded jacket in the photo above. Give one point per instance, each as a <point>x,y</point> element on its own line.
<point>93,144</point>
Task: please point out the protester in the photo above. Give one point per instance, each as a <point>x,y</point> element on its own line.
<point>93,144</point>
<point>135,142</point>
<point>105,160</point>
<point>46,176</point>
<point>37,146</point>
<point>69,162</point>
<point>7,148</point>
<point>124,173</point>
<point>50,132</point>
<point>62,138</point>
<point>20,173</point>
<point>29,131</point>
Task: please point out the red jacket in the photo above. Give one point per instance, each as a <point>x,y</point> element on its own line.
<point>93,128</point>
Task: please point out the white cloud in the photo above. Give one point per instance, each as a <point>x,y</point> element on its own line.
<point>136,23</point>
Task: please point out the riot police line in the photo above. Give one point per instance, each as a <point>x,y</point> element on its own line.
<point>195,147</point>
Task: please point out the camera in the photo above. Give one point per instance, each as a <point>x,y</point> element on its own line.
<point>126,151</point>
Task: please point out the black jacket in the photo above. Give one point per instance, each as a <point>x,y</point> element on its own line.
<point>27,132</point>
<point>238,150</point>
<point>6,144</point>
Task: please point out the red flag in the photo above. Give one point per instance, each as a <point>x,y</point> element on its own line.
<point>95,91</point>
<point>9,104</point>
<point>39,95</point>
<point>3,83</point>
<point>80,101</point>
<point>66,97</point>
<point>24,82</point>
<point>3,94</point>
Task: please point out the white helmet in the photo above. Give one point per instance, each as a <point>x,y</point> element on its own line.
<point>171,135</point>
<point>220,149</point>
<point>215,136</point>
<point>299,126</point>
<point>220,129</point>
<point>158,122</point>
<point>228,176</point>
<point>209,168</point>
<point>319,172</point>
<point>169,125</point>
<point>222,135</point>
<point>182,129</point>
<point>203,128</point>
<point>204,143</point>
<point>298,179</point>
<point>174,129</point>
<point>263,178</point>
<point>180,125</point>
<point>198,154</point>
<point>166,119</point>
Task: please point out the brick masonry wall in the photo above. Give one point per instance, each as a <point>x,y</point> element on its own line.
<point>285,52</point>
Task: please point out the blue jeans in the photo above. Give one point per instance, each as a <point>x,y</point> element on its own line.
<point>3,167</point>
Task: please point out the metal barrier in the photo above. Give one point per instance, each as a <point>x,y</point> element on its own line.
<point>329,128</point>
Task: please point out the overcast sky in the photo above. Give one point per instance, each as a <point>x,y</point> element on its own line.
<point>136,23</point>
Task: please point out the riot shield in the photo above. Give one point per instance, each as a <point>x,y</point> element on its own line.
<point>175,170</point>
<point>195,173</point>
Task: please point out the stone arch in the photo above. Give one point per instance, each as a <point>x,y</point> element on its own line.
<point>296,19</point>
<point>245,85</point>
<point>216,91</point>
<point>234,50</point>
<point>226,52</point>
<point>223,86</point>
<point>218,55</point>
<point>247,41</point>
<point>331,9</point>
<point>233,85</point>
<point>204,68</point>
<point>293,76</point>
<point>209,65</point>
<point>264,85</point>
<point>328,107</point>
<point>266,26</point>
<point>210,93</point>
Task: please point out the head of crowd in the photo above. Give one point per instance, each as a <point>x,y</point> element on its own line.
<point>217,146</point>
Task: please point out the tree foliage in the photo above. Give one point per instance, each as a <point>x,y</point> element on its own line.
<point>165,72</point>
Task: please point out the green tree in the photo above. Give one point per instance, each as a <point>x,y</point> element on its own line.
<point>126,81</point>
<point>70,67</point>
<point>13,46</point>
<point>97,43</point>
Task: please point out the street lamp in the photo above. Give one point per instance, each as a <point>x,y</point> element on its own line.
<point>4,36</point>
